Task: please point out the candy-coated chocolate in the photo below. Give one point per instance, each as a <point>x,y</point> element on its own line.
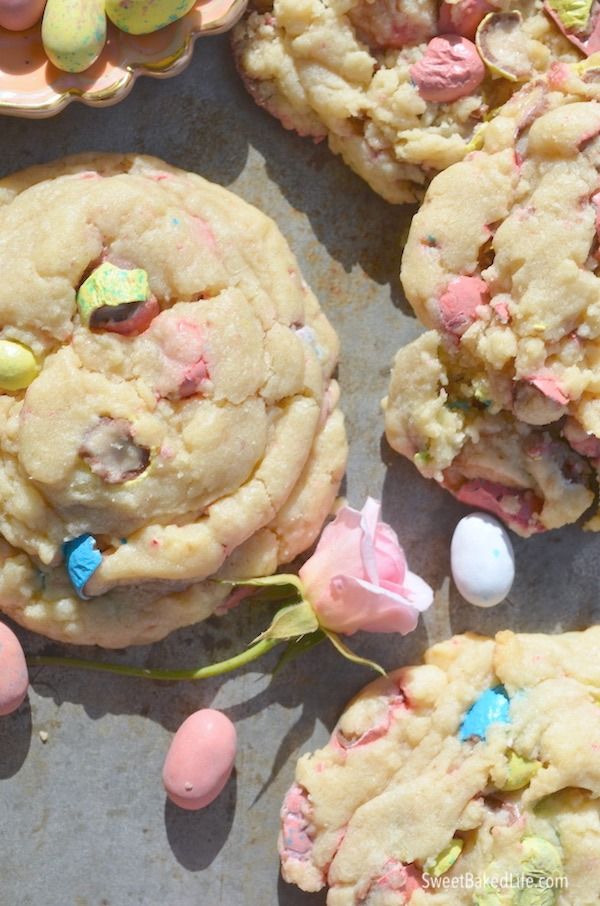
<point>18,15</point>
<point>82,560</point>
<point>444,861</point>
<point>110,287</point>
<point>519,771</point>
<point>14,679</point>
<point>449,69</point>
<point>74,33</point>
<point>18,366</point>
<point>493,707</point>
<point>482,560</point>
<point>200,759</point>
<point>140,17</point>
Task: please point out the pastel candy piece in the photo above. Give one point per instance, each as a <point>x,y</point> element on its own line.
<point>444,861</point>
<point>517,506</point>
<point>18,366</point>
<point>573,17</point>
<point>541,857</point>
<point>519,771</point>
<point>459,302</point>
<point>109,287</point>
<point>18,15</point>
<point>503,45</point>
<point>482,560</point>
<point>462,18</point>
<point>140,17</point>
<point>74,33</point>
<point>14,679</point>
<point>449,69</point>
<point>82,560</point>
<point>200,759</point>
<point>110,450</point>
<point>493,707</point>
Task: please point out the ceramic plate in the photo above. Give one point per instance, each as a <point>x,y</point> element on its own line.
<point>31,86</point>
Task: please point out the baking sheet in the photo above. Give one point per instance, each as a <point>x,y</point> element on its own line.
<point>83,818</point>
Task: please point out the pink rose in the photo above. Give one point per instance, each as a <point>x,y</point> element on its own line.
<point>358,577</point>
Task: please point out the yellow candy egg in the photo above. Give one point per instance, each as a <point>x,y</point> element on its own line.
<point>140,17</point>
<point>444,861</point>
<point>18,366</point>
<point>519,771</point>
<point>74,33</point>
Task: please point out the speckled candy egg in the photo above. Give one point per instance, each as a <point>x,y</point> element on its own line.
<point>14,679</point>
<point>482,559</point>
<point>200,760</point>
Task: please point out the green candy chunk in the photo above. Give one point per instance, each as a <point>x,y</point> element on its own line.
<point>540,858</point>
<point>18,366</point>
<point>574,14</point>
<point>492,896</point>
<point>444,861</point>
<point>536,896</point>
<point>519,771</point>
<point>110,286</point>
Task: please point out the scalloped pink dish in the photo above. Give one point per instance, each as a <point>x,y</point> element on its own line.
<point>31,86</point>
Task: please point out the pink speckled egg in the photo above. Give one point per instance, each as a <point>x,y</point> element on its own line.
<point>200,760</point>
<point>14,679</point>
<point>17,15</point>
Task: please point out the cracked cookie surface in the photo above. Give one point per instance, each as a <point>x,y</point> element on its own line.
<point>426,794</point>
<point>366,75</point>
<point>192,430</point>
<point>499,401</point>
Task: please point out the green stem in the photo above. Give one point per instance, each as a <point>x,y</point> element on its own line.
<point>232,663</point>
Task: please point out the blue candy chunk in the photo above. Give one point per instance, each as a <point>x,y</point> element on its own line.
<point>493,707</point>
<point>83,559</point>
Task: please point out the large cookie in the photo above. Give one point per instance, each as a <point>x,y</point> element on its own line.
<point>500,400</point>
<point>473,779</point>
<point>179,423</point>
<point>374,77</point>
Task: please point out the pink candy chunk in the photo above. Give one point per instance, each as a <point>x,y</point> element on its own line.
<point>587,44</point>
<point>18,15</point>
<point>14,679</point>
<point>579,440</point>
<point>450,68</point>
<point>295,841</point>
<point>516,506</point>
<point>462,18</point>
<point>547,384</point>
<point>200,760</point>
<point>459,302</point>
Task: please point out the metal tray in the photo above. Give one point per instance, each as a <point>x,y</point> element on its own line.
<point>83,817</point>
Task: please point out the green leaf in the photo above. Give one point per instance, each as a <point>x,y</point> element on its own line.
<point>291,621</point>
<point>347,653</point>
<point>296,647</point>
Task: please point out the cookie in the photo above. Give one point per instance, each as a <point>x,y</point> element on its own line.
<point>179,423</point>
<point>500,400</point>
<point>399,88</point>
<point>472,780</point>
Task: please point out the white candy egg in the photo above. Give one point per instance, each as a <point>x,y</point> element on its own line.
<point>482,560</point>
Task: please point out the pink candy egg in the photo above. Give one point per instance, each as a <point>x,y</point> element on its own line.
<point>17,15</point>
<point>200,759</point>
<point>14,679</point>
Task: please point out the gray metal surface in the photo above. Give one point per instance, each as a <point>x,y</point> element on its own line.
<point>83,819</point>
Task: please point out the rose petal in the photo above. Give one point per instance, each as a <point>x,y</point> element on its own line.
<point>414,589</point>
<point>391,562</point>
<point>338,551</point>
<point>359,605</point>
<point>368,523</point>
